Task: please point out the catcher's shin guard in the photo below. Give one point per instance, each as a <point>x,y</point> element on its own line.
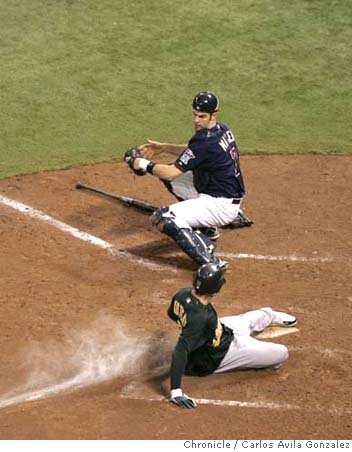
<point>195,245</point>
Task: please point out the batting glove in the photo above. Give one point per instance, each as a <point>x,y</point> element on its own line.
<point>181,399</point>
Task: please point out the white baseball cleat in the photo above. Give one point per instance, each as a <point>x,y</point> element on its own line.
<point>283,319</point>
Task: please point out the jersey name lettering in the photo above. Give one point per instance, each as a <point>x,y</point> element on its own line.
<point>180,314</point>
<point>226,140</point>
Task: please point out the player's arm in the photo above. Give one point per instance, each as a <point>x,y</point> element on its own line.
<point>152,148</point>
<point>190,339</point>
<point>188,160</point>
<point>178,365</point>
<point>166,172</point>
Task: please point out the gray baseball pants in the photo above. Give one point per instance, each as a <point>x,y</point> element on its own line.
<point>245,351</point>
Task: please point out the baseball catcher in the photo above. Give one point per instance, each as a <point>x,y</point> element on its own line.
<point>208,344</point>
<point>206,178</point>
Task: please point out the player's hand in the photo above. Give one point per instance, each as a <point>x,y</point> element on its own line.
<point>181,399</point>
<point>132,157</point>
<point>151,148</point>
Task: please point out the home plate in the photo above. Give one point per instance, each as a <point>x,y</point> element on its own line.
<point>275,331</point>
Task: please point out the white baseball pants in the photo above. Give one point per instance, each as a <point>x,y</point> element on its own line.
<point>199,210</point>
<point>245,351</point>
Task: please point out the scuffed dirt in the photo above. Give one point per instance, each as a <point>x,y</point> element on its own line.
<point>57,292</point>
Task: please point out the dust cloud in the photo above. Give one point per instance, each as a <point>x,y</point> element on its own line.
<point>88,357</point>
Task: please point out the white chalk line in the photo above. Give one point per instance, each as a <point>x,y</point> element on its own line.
<point>113,250</point>
<point>84,379</point>
<point>329,352</point>
<point>84,236</point>
<point>267,405</point>
<point>76,382</point>
<point>66,386</point>
<point>292,258</point>
<point>242,404</point>
<point>99,354</point>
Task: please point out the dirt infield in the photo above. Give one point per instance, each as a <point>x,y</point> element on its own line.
<point>78,321</point>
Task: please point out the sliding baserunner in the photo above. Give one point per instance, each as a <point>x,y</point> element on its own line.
<point>209,344</point>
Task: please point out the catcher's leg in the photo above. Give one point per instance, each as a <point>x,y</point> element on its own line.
<point>182,188</point>
<point>195,245</point>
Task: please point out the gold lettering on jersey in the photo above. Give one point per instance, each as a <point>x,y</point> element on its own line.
<point>218,334</point>
<point>180,314</point>
<point>226,140</point>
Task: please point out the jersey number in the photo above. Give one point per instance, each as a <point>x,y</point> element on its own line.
<point>218,334</point>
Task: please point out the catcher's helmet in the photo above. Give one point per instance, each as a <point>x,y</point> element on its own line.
<point>209,279</point>
<point>206,102</point>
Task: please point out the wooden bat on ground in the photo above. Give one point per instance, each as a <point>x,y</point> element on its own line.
<point>130,202</point>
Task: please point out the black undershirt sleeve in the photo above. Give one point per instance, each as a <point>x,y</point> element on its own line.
<point>190,339</point>
<point>178,365</point>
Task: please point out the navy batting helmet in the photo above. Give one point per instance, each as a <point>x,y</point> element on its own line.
<point>206,102</point>
<point>209,279</point>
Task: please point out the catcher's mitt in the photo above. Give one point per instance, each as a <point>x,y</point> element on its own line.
<point>130,156</point>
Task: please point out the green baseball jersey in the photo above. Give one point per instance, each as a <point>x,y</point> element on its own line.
<point>204,340</point>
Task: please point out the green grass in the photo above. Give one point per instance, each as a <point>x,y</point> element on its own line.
<point>81,80</point>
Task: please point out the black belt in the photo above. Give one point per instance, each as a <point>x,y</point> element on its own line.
<point>236,201</point>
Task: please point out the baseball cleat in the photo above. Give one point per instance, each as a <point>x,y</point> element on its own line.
<point>224,265</point>
<point>212,233</point>
<point>283,319</point>
<point>241,221</point>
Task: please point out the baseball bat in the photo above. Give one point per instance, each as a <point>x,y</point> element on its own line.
<point>130,202</point>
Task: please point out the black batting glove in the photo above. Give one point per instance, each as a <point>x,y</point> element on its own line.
<point>181,399</point>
